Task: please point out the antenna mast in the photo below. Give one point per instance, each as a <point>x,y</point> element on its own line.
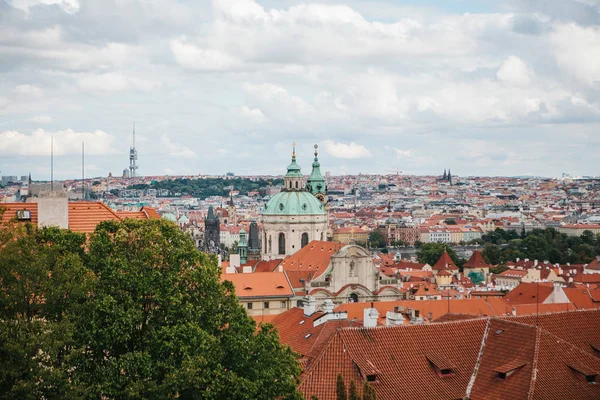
<point>83,171</point>
<point>133,157</point>
<point>51,164</point>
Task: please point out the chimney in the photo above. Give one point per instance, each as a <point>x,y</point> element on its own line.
<point>234,260</point>
<point>310,306</point>
<point>393,318</point>
<point>517,259</point>
<point>535,263</point>
<point>247,269</point>
<point>328,306</point>
<point>370,317</point>
<point>53,209</point>
<point>514,311</point>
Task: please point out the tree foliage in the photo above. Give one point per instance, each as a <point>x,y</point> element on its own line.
<point>429,253</point>
<point>353,391</point>
<point>540,244</point>
<point>206,187</point>
<point>134,311</point>
<point>369,392</point>
<point>376,239</point>
<point>340,388</point>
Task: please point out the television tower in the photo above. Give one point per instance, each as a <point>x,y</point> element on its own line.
<point>133,157</point>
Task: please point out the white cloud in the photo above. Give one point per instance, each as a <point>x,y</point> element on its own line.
<point>255,114</point>
<point>514,71</point>
<point>69,6</point>
<point>114,82</point>
<point>193,57</point>
<point>576,50</point>
<point>66,142</point>
<point>342,150</point>
<point>176,149</point>
<point>41,119</point>
<point>28,90</point>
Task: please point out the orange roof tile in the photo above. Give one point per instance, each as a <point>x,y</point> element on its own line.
<point>445,262</point>
<point>314,258</point>
<point>10,211</point>
<point>84,216</point>
<point>476,261</point>
<point>260,284</point>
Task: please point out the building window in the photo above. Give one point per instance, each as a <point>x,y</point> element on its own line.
<point>296,184</point>
<point>282,304</point>
<point>304,239</point>
<point>270,247</point>
<point>281,243</point>
<point>249,306</point>
<point>266,305</point>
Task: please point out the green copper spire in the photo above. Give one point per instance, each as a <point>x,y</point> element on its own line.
<point>316,183</point>
<point>293,170</point>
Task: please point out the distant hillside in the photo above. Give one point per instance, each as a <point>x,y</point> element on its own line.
<point>203,188</point>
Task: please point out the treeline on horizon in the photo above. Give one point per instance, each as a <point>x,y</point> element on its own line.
<point>207,187</point>
<point>503,246</point>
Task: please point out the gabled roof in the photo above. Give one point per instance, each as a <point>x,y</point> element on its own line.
<point>528,293</point>
<point>479,353</point>
<point>445,262</point>
<point>314,258</point>
<point>594,265</point>
<point>476,261</point>
<point>10,211</point>
<point>260,284</point>
<point>84,216</point>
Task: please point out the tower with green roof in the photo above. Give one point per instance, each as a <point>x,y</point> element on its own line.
<point>243,247</point>
<point>316,183</point>
<point>293,217</point>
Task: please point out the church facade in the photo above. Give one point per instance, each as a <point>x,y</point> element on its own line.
<point>296,215</point>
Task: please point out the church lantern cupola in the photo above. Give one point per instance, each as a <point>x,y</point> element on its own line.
<point>293,179</point>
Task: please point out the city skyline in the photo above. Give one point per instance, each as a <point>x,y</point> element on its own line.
<point>484,88</point>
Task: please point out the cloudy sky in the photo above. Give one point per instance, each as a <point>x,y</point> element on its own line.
<point>484,87</point>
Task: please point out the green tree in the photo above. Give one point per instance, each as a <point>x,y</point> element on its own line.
<point>369,392</point>
<point>353,392</point>
<point>133,312</point>
<point>376,239</point>
<point>429,253</point>
<point>340,388</point>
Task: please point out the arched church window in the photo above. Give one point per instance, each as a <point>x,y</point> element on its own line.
<point>353,298</point>
<point>281,243</point>
<point>296,184</point>
<point>270,247</point>
<point>304,240</point>
<point>321,236</point>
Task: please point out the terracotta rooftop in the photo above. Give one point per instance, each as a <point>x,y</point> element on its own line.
<point>476,261</point>
<point>11,209</point>
<point>84,216</point>
<point>260,284</point>
<point>485,358</point>
<point>529,293</point>
<point>445,262</point>
<point>314,257</point>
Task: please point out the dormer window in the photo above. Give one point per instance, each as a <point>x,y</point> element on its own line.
<point>371,378</point>
<point>441,365</point>
<point>583,372</point>
<point>505,371</point>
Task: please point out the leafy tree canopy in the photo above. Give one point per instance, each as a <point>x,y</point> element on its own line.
<point>429,253</point>
<point>134,311</point>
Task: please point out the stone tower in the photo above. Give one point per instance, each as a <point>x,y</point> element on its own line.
<point>212,232</point>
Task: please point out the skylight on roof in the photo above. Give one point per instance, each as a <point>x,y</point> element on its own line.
<point>301,322</point>
<point>308,335</point>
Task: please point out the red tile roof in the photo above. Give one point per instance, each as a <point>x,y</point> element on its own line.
<point>84,216</point>
<point>528,293</point>
<point>8,211</point>
<point>476,261</point>
<point>260,284</point>
<point>445,262</point>
<point>314,258</point>
<point>402,360</point>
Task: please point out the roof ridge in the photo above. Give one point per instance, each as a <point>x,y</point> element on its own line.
<point>479,358</point>
<point>536,353</point>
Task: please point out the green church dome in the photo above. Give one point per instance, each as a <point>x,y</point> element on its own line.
<point>294,203</point>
